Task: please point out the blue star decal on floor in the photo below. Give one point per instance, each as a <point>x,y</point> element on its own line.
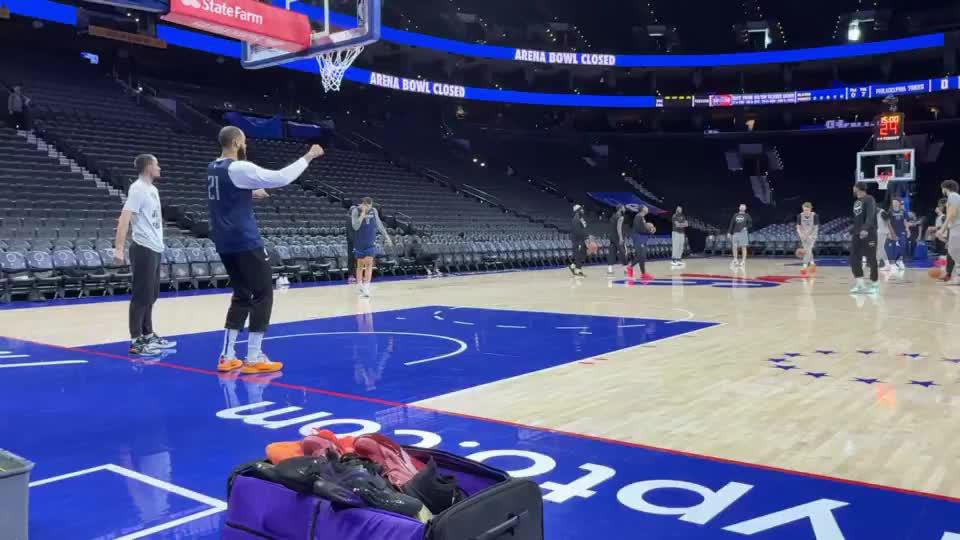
<point>867,352</point>
<point>825,352</point>
<point>815,374</point>
<point>952,360</point>
<point>866,380</point>
<point>785,368</point>
<point>912,355</point>
<point>778,360</point>
<point>925,384</point>
<point>792,354</point>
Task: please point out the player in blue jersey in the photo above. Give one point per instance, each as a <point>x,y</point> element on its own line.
<point>897,236</point>
<point>232,185</point>
<point>365,221</point>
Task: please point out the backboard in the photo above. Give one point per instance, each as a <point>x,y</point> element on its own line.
<point>355,24</point>
<point>898,165</point>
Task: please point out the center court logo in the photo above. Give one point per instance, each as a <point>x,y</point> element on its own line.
<point>222,8</point>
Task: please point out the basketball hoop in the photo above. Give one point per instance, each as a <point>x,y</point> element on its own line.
<point>883,180</point>
<point>334,65</point>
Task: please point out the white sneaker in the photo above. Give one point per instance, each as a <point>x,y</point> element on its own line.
<point>901,266</point>
<point>859,288</point>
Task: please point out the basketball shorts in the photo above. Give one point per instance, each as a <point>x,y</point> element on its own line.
<point>741,239</point>
<point>363,253</point>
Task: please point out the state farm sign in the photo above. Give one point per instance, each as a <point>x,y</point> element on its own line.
<point>245,20</point>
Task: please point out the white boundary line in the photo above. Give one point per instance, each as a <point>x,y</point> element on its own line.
<point>689,316</point>
<point>461,345</point>
<point>38,364</point>
<point>426,401</point>
<point>216,505</point>
<point>5,355</point>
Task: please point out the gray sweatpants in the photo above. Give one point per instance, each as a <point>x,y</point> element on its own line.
<point>679,240</point>
<point>953,244</point>
<point>808,246</point>
<point>882,235</point>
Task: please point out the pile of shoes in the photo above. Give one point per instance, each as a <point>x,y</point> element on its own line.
<point>366,471</point>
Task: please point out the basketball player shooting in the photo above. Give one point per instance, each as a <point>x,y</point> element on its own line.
<point>365,221</point>
<point>864,240</point>
<point>808,228</point>
<point>232,184</point>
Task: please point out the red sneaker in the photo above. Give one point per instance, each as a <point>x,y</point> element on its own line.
<point>399,467</point>
<point>630,272</point>
<point>646,277</point>
<point>316,445</point>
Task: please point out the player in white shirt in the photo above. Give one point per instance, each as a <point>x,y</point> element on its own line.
<point>143,214</point>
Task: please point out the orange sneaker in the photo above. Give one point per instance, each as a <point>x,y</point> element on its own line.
<point>280,451</point>
<point>261,367</point>
<point>228,364</point>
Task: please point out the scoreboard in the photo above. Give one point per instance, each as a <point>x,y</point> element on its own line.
<point>889,126</point>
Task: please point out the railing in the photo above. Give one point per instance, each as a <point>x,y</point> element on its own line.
<point>330,190</point>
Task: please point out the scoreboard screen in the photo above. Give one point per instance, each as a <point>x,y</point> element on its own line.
<point>889,126</point>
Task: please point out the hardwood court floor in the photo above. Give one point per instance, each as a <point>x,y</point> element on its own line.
<point>867,391</point>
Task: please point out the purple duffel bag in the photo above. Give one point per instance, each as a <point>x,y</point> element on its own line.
<point>497,506</point>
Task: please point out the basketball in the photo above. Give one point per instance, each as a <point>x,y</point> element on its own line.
<point>800,253</point>
<point>592,246</point>
<point>651,228</point>
<point>935,273</point>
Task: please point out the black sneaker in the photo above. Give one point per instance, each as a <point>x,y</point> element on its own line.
<point>437,491</point>
<point>361,478</point>
<point>159,342</point>
<point>142,347</point>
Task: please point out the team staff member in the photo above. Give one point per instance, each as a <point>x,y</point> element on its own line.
<point>864,240</point>
<point>578,235</point>
<point>232,182</point>
<point>142,211</point>
<point>679,237</point>
<point>617,252</point>
<point>739,233</point>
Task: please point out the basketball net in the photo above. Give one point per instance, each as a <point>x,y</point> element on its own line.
<point>883,180</point>
<point>334,65</point>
